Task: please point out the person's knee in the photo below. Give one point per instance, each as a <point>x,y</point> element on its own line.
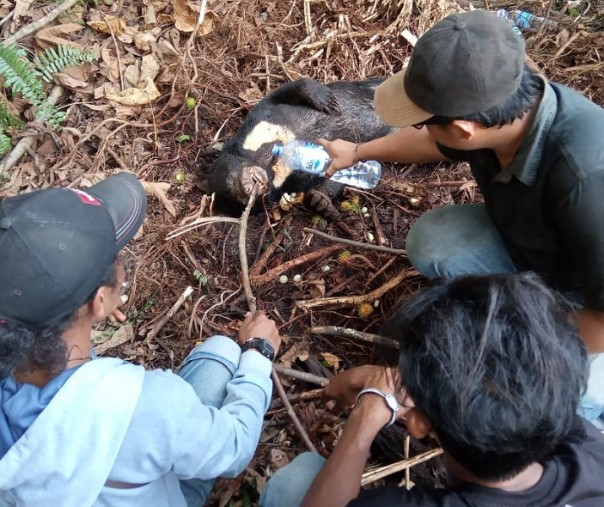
<point>425,243</point>
<point>289,485</point>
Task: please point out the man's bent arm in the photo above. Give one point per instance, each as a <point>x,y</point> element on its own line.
<point>339,481</point>
<point>591,328</point>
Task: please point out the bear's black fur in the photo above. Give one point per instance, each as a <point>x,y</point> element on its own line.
<point>304,110</point>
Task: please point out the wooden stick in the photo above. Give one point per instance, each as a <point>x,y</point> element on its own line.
<point>302,375</point>
<point>358,244</point>
<point>275,272</point>
<point>290,411</point>
<point>245,277</point>
<point>162,322</point>
<point>313,394</point>
<point>34,27</point>
<point>362,298</point>
<point>251,301</point>
<point>385,471</point>
<point>357,335</point>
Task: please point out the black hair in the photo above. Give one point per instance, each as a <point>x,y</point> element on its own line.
<point>496,364</point>
<point>42,348</point>
<point>514,107</point>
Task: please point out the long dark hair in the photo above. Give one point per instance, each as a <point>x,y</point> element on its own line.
<point>41,348</point>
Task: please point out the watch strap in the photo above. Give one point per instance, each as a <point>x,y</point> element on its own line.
<point>261,345</point>
<point>389,399</point>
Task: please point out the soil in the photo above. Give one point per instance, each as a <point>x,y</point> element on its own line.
<point>249,48</point>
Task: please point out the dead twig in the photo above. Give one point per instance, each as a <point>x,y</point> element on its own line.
<point>257,267</point>
<point>291,413</point>
<point>302,375</point>
<point>162,322</point>
<point>387,470</point>
<point>275,272</point>
<point>245,276</point>
<point>117,51</point>
<point>358,244</point>
<point>355,300</point>
<point>34,27</point>
<point>357,335</point>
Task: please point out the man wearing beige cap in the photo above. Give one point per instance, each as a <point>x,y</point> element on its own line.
<point>535,149</point>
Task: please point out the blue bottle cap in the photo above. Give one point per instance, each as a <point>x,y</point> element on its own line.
<point>277,149</point>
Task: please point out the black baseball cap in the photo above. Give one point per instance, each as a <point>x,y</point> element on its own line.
<point>465,64</point>
<point>56,246</point>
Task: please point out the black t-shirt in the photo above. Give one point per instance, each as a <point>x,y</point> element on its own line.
<point>573,477</point>
<point>548,204</point>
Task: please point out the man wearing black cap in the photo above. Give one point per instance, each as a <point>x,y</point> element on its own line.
<point>535,150</point>
<point>79,431</point>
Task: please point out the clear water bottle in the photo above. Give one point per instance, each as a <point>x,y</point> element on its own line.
<point>522,20</point>
<point>314,159</point>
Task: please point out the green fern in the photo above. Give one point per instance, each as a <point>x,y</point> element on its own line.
<point>5,143</point>
<point>7,120</point>
<point>19,75</point>
<point>53,60</point>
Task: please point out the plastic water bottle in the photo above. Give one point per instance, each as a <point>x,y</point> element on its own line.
<point>522,20</point>
<point>314,159</point>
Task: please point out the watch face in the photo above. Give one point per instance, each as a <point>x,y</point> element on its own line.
<point>261,345</point>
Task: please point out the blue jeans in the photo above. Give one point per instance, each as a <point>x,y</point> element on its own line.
<point>209,367</point>
<point>289,485</point>
<point>460,240</point>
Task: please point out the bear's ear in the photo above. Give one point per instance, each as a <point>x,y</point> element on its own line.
<point>418,424</point>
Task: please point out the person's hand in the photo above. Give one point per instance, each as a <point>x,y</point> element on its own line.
<point>343,154</point>
<point>342,391</point>
<point>259,325</point>
<point>117,316</point>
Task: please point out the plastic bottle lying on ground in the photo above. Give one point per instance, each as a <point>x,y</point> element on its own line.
<point>314,159</point>
<point>523,20</point>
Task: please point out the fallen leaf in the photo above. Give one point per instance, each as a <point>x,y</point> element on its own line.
<point>108,24</point>
<point>143,40</point>
<point>132,74</point>
<point>51,36</point>
<point>133,96</point>
<point>21,8</point>
<point>103,341</point>
<point>186,15</point>
<point>149,68</point>
<point>159,189</point>
<point>331,360</point>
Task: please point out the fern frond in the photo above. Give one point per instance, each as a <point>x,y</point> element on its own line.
<point>19,75</point>
<point>7,120</point>
<point>5,143</point>
<point>53,60</point>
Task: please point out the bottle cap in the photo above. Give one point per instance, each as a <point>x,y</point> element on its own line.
<point>277,148</point>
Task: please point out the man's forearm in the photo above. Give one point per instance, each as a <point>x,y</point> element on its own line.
<point>339,481</point>
<point>591,328</point>
<point>408,146</point>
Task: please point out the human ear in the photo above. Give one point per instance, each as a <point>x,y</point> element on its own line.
<point>417,423</point>
<point>99,304</point>
<point>464,129</point>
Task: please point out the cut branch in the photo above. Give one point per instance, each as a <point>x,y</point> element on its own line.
<point>34,27</point>
<point>356,335</point>
<point>355,300</point>
<point>358,244</point>
<point>275,272</point>
<point>387,470</point>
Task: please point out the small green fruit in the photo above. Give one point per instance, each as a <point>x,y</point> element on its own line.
<point>190,103</point>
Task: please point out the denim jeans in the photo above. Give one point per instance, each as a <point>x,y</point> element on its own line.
<point>460,240</point>
<point>288,486</point>
<point>209,367</point>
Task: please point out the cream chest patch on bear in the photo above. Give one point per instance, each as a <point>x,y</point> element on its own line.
<point>266,132</point>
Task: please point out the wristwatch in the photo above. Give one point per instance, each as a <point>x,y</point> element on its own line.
<point>390,399</point>
<point>261,345</point>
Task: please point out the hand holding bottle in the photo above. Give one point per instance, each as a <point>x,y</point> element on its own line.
<point>343,154</point>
